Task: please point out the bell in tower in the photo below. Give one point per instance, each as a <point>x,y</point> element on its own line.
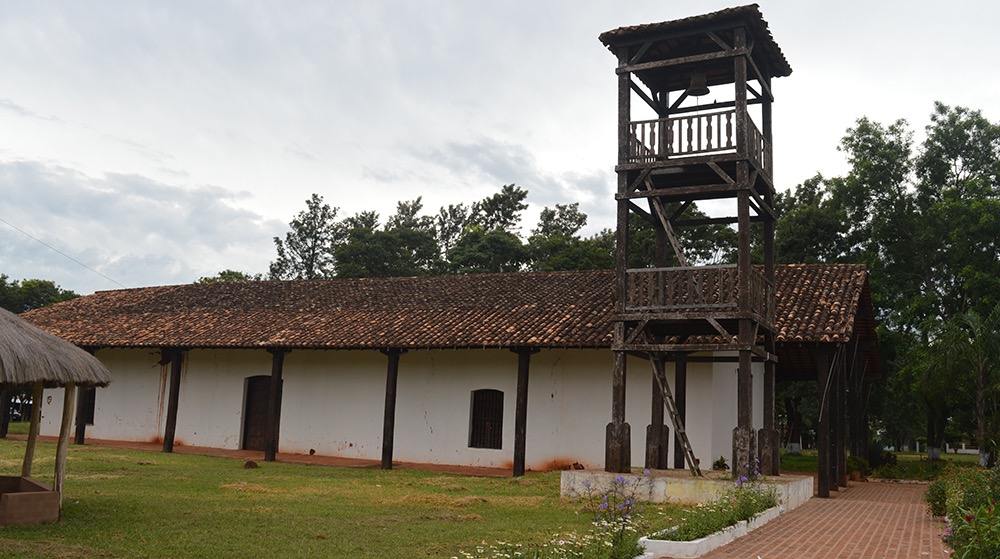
<point>694,126</point>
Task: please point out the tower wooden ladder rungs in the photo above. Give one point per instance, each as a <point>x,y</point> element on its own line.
<point>675,417</point>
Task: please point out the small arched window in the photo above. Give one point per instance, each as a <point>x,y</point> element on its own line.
<point>486,429</point>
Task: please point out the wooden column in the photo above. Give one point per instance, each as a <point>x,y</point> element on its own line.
<point>69,398</point>
<point>769,445</point>
<point>272,426</point>
<point>36,420</point>
<point>521,409</point>
<point>81,414</point>
<point>823,423</point>
<point>80,434</point>
<point>176,361</point>
<point>618,436</point>
<point>841,423</point>
<point>744,444</point>
<point>657,434</point>
<point>680,398</point>
<point>389,416</point>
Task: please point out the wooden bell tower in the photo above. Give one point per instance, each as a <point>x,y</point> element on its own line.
<point>699,131</point>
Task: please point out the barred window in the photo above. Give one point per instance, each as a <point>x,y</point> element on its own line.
<point>487,419</point>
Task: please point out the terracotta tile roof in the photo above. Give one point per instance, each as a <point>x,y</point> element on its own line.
<point>815,303</point>
<point>558,309</point>
<point>821,302</point>
<point>748,15</point>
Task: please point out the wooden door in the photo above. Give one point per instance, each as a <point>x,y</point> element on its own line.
<point>255,412</point>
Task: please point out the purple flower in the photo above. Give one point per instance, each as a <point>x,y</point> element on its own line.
<point>646,472</point>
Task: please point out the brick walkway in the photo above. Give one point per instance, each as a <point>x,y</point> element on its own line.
<point>865,521</point>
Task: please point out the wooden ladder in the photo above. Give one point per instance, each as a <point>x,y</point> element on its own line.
<point>675,417</point>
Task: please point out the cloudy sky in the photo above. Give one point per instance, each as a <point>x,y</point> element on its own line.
<point>149,143</point>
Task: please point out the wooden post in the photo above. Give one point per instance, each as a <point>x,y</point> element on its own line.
<point>521,409</point>
<point>176,360</point>
<point>69,398</point>
<point>36,420</point>
<point>273,422</point>
<point>841,423</point>
<point>618,436</point>
<point>657,434</point>
<point>769,452</point>
<point>389,416</point>
<point>823,424</point>
<point>744,446</point>
<point>680,398</point>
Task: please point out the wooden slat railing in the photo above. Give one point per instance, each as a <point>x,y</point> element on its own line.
<point>687,135</point>
<point>701,288</point>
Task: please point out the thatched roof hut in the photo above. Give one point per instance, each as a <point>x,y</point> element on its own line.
<point>29,355</point>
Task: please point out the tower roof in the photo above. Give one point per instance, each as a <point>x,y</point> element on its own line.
<point>699,35</point>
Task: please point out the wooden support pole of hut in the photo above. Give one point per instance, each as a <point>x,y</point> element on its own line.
<point>521,409</point>
<point>69,398</point>
<point>389,418</point>
<point>36,419</point>
<point>272,423</point>
<point>176,359</point>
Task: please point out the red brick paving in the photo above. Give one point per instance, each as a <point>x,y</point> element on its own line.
<point>872,520</point>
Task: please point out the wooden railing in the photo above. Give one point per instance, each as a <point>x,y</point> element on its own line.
<point>702,288</point>
<point>683,136</point>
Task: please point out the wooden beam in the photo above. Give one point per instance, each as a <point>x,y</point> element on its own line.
<point>170,429</point>
<point>645,97</point>
<point>272,424</point>
<point>389,416</point>
<point>702,192</point>
<point>693,59</point>
<point>36,420</point>
<point>69,397</point>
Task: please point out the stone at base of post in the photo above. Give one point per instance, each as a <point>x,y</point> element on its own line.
<point>618,448</point>
<point>744,451</point>
<point>657,446</point>
<point>769,452</point>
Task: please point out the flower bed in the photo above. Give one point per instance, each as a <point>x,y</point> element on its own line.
<point>656,547</point>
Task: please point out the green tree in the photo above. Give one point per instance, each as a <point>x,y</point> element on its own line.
<point>22,296</point>
<point>307,251</point>
<point>230,275</point>
<point>810,229</point>
<point>969,346</point>
<point>500,211</point>
<point>480,251</point>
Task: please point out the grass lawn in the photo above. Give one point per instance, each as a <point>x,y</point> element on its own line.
<point>909,465</point>
<point>123,503</point>
<point>18,427</point>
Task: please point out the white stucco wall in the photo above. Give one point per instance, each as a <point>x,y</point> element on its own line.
<point>333,403</point>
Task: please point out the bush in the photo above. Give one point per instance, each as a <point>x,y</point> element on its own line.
<point>743,502</point>
<point>970,496</point>
<point>858,464</point>
<point>935,498</point>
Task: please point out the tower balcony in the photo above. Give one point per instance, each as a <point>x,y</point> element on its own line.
<point>692,135</point>
<point>685,293</point>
